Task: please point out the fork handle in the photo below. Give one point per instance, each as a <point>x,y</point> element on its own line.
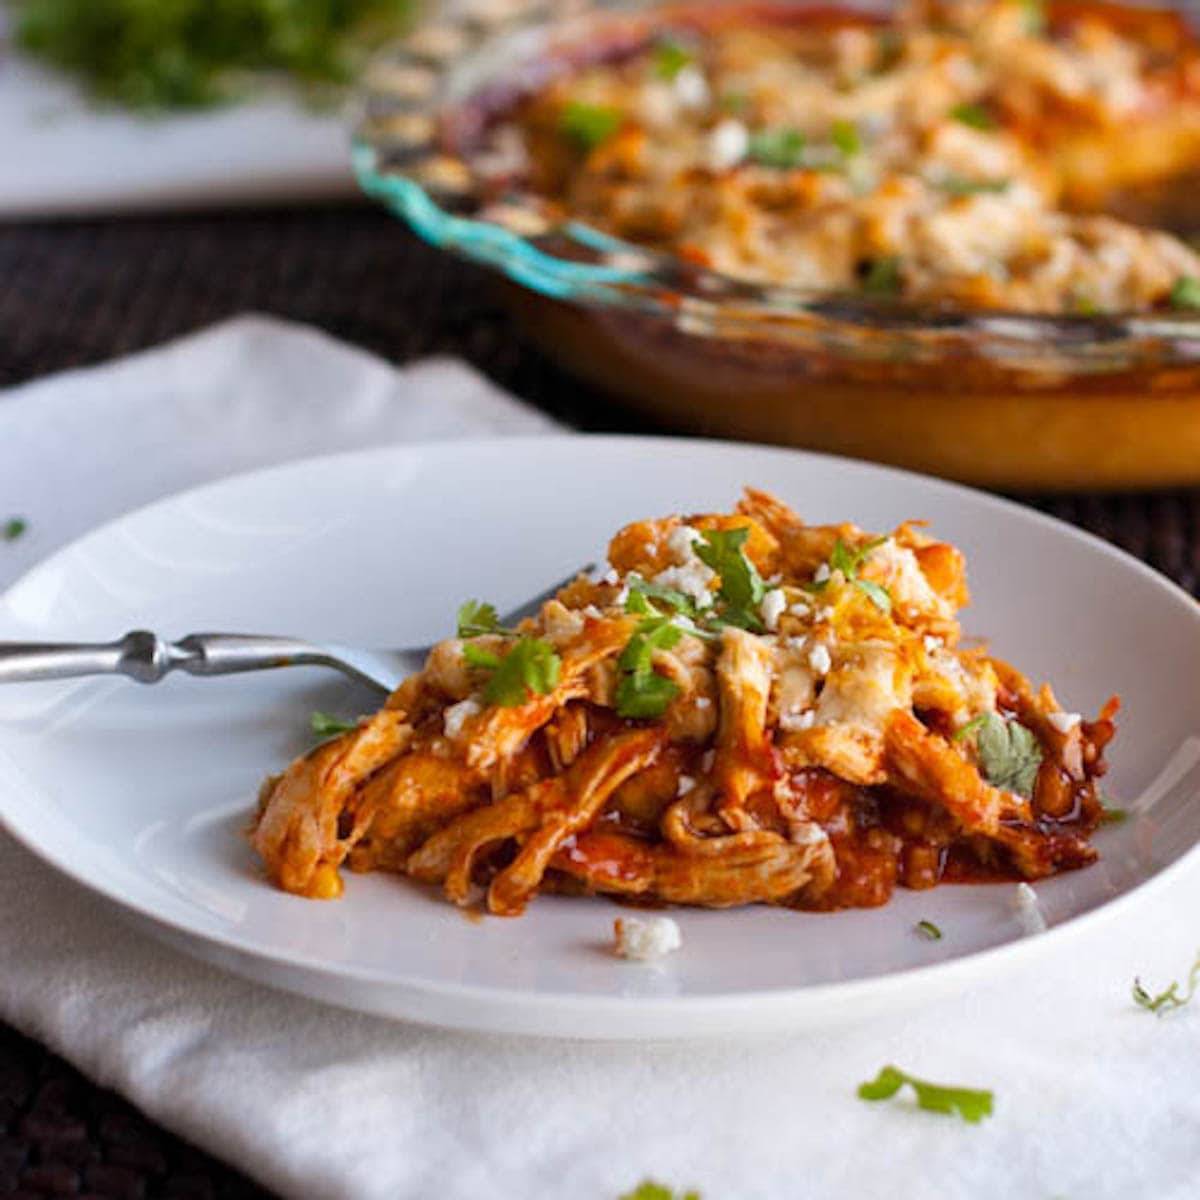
<point>148,658</point>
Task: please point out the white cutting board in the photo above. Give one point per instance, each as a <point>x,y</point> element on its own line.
<point>60,155</point>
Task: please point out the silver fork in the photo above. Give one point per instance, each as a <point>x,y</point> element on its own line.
<point>148,658</point>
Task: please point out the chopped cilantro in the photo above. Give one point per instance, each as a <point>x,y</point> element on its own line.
<point>326,726</point>
<point>13,528</point>
<point>780,147</point>
<point>1186,292</point>
<point>649,1190</point>
<point>641,692</point>
<point>531,666</point>
<point>1009,753</point>
<point>845,136</point>
<point>883,277</point>
<point>960,185</point>
<point>1170,998</point>
<point>972,1104</point>
<point>670,57</point>
<point>929,931</point>
<point>588,125</point>
<point>645,595</point>
<point>974,115</point>
<point>742,587</point>
<point>735,102</point>
<point>1114,816</point>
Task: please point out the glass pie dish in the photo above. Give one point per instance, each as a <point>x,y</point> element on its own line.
<point>1002,398</point>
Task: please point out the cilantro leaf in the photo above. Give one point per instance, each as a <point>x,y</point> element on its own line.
<point>742,587</point>
<point>781,147</point>
<point>531,666</point>
<point>326,726</point>
<point>848,562</point>
<point>883,277</point>
<point>641,692</point>
<point>1009,753</point>
<point>648,1189</point>
<point>670,57</point>
<point>960,185</point>
<point>1035,16</point>
<point>974,115</point>
<point>476,618</point>
<point>644,595</point>
<point>846,137</point>
<point>928,930</point>
<point>972,1104</point>
<point>588,125</point>
<point>1186,292</point>
<point>1114,816</point>
<point>13,528</point>
<point>1170,998</point>
<point>876,593</point>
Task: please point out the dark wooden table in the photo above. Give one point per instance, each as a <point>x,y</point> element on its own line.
<point>73,294</point>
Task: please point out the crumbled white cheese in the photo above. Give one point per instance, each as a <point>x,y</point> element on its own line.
<point>684,622</point>
<point>819,659</point>
<point>728,144</point>
<point>692,580</point>
<point>703,702</point>
<point>456,716</point>
<point>932,643</point>
<point>644,939</point>
<point>794,722</point>
<point>590,610</point>
<point>773,604</point>
<point>1064,722</point>
<point>821,574</point>
<point>1029,912</point>
<point>680,541</point>
<point>611,576</point>
<point>706,763</point>
<point>621,597</point>
<point>799,610</point>
<point>825,613</point>
<point>685,784</point>
<point>691,88</point>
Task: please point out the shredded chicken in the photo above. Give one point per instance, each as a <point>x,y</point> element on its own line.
<point>744,709</point>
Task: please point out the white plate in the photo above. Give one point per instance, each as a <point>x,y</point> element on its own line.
<point>141,794</point>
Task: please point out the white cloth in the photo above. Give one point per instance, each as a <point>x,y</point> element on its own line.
<point>1094,1098</point>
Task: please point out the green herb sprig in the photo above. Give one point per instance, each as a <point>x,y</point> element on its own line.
<point>929,931</point>
<point>960,185</point>
<point>531,666</point>
<point>648,1189</point>
<point>1008,752</point>
<point>972,1104</point>
<point>13,528</point>
<point>1186,293</point>
<point>973,115</point>
<point>1169,998</point>
<point>883,277</point>
<point>325,725</point>
<point>475,618</point>
<point>848,561</point>
<point>589,125</point>
<point>742,587</point>
<point>670,57</point>
<point>781,147</point>
<point>642,693</point>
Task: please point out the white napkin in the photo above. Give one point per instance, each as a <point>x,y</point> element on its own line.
<point>1094,1098</point>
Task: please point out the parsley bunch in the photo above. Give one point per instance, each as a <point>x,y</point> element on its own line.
<point>165,54</point>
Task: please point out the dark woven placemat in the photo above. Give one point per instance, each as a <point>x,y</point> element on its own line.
<point>81,293</point>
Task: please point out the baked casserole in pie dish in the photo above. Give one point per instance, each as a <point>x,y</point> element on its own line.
<point>952,234</point>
